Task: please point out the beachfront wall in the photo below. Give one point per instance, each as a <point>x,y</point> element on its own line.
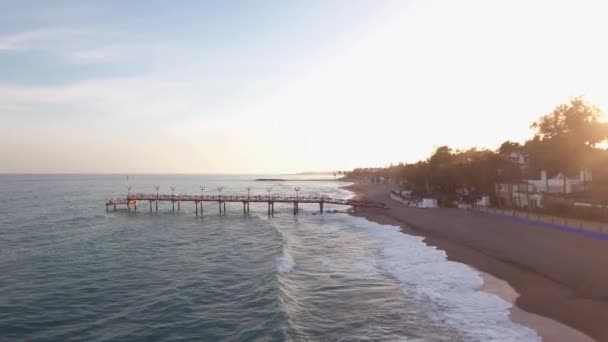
<point>510,196</point>
<point>576,208</point>
<point>577,224</point>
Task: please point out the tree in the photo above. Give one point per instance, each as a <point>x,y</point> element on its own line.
<point>565,139</point>
<point>578,122</point>
<point>441,155</point>
<point>509,147</point>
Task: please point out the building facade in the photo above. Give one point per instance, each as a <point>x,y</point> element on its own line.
<point>519,158</point>
<point>529,193</point>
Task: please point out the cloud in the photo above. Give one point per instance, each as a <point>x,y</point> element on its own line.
<point>20,40</point>
<point>99,54</point>
<point>39,39</point>
<point>136,97</point>
<point>89,45</point>
<point>82,44</point>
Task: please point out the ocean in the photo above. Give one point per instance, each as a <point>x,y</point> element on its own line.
<point>70,271</point>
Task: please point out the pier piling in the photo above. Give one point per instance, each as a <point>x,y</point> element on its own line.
<point>131,202</point>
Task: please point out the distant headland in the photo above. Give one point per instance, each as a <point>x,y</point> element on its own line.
<point>297,180</point>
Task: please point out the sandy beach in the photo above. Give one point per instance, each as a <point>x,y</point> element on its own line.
<point>557,280</point>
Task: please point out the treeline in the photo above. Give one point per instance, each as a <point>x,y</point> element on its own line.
<point>566,140</point>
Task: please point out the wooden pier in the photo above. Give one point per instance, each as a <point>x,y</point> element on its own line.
<point>133,200</point>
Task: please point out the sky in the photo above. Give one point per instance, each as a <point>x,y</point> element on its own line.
<point>283,86</point>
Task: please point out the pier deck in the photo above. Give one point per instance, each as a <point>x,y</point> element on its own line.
<point>132,201</point>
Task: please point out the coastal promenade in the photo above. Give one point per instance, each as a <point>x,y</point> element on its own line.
<point>133,200</point>
<point>558,274</point>
<point>593,229</point>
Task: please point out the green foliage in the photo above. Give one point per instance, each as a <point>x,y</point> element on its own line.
<point>565,141</point>
<point>509,147</point>
<point>576,123</point>
<point>448,171</point>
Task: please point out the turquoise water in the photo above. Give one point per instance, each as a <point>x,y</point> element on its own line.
<point>71,271</point>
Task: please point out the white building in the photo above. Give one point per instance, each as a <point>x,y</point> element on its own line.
<point>529,193</point>
<point>561,183</point>
<point>429,203</point>
<point>484,201</point>
<point>521,159</point>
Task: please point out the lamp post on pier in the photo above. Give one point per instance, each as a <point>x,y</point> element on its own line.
<point>219,198</point>
<point>270,203</point>
<point>173,197</point>
<point>296,204</point>
<point>246,204</point>
<point>156,187</point>
<point>202,187</point>
<point>129,198</point>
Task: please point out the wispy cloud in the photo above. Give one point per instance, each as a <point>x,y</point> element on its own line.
<point>129,97</point>
<point>84,44</point>
<point>38,39</point>
<point>19,40</point>
<point>117,50</point>
<point>99,54</point>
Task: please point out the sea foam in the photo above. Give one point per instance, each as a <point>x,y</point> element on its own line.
<point>285,263</point>
<point>425,272</point>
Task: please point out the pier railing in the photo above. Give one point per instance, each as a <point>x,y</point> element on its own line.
<point>132,200</point>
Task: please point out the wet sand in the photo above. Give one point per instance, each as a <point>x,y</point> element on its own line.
<point>559,280</point>
<point>547,328</point>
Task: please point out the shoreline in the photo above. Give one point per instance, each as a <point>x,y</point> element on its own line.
<point>547,328</point>
<point>556,311</point>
